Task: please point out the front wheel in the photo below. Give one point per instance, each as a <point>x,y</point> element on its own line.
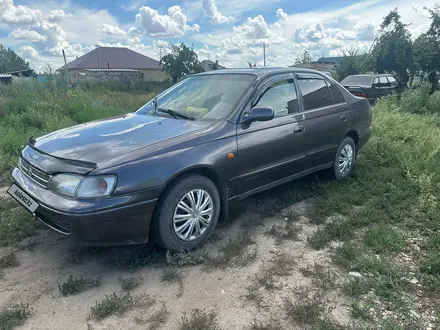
<point>345,159</point>
<point>187,214</point>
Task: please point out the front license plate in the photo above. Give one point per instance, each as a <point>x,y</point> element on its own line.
<point>23,198</point>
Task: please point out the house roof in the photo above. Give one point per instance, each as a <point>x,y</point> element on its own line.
<point>211,64</point>
<point>113,58</point>
<point>334,60</point>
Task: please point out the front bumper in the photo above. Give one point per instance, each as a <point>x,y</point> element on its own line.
<point>123,219</point>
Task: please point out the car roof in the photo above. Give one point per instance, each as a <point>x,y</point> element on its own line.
<point>261,72</point>
<point>371,75</point>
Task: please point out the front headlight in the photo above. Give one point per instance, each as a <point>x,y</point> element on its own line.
<point>65,184</point>
<point>96,186</point>
<point>77,186</point>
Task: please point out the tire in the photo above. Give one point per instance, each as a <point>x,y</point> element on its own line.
<point>344,148</point>
<point>165,229</point>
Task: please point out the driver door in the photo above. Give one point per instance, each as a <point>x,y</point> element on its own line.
<point>270,152</point>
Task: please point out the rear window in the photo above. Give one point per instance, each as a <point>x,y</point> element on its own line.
<point>357,81</point>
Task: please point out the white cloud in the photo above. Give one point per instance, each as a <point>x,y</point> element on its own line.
<point>9,13</point>
<point>366,30</point>
<point>29,53</point>
<point>151,23</point>
<point>254,28</point>
<point>134,40</point>
<point>57,15</point>
<point>281,14</point>
<point>211,11</point>
<point>112,30</point>
<point>27,35</point>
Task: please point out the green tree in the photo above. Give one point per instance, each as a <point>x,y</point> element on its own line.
<point>353,63</point>
<point>393,49</point>
<point>182,61</point>
<point>305,57</point>
<point>427,50</point>
<point>10,61</point>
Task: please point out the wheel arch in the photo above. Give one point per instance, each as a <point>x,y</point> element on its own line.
<point>211,174</point>
<point>354,135</point>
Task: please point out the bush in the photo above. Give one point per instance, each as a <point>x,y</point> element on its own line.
<point>415,100</point>
<point>433,104</point>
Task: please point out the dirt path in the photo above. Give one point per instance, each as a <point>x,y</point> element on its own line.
<point>220,288</point>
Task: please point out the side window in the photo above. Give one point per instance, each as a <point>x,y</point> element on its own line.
<point>315,93</point>
<point>282,97</point>
<point>393,82</point>
<point>383,81</point>
<point>336,93</point>
<point>376,80</point>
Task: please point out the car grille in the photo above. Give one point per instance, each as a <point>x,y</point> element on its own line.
<point>34,173</point>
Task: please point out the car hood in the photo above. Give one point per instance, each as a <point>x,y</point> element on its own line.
<point>103,140</point>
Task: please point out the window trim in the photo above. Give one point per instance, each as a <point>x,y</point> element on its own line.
<point>334,103</point>
<point>312,75</point>
<point>387,84</point>
<point>263,88</point>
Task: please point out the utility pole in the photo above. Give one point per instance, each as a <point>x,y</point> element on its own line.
<point>65,65</point>
<point>264,54</point>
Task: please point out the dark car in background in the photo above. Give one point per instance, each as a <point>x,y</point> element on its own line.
<point>170,170</point>
<point>372,86</point>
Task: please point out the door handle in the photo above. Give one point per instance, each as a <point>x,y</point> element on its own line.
<point>298,129</point>
<point>343,118</point>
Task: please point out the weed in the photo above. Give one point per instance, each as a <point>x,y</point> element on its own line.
<point>129,283</point>
<point>321,277</point>
<point>199,320</point>
<point>289,232</point>
<point>280,265</point>
<point>384,238</point>
<point>134,258</point>
<point>158,318</point>
<point>234,247</point>
<point>16,224</point>
<point>197,257</point>
<point>254,294</point>
<point>119,304</point>
<point>14,316</point>
<point>247,258</point>
<point>431,263</point>
<point>360,311</point>
<point>74,285</point>
<point>357,286</point>
<point>171,274</point>
<point>306,309</point>
<point>9,260</point>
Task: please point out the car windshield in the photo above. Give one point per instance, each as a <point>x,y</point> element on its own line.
<point>357,81</point>
<point>208,97</point>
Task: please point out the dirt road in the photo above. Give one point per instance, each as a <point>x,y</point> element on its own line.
<point>238,280</point>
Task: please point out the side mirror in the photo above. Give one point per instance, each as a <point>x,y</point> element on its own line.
<point>260,113</point>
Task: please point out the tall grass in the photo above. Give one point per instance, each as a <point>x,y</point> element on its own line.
<point>31,108</point>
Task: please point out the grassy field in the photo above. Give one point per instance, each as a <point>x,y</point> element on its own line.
<point>33,109</point>
<point>382,225</point>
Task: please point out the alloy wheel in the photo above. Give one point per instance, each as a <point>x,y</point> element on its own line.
<point>193,214</point>
<point>346,158</point>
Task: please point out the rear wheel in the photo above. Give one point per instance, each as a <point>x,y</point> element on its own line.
<point>187,214</point>
<point>345,159</point>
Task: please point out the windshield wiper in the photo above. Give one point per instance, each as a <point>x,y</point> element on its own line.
<point>175,114</point>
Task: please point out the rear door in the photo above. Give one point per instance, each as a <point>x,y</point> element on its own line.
<point>271,151</point>
<point>395,85</point>
<point>384,86</point>
<point>325,117</point>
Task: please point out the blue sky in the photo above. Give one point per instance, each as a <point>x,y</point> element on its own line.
<point>231,31</point>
